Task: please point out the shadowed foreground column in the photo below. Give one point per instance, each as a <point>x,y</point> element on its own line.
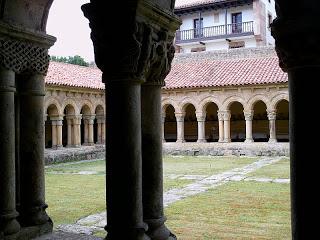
<point>9,227</point>
<point>152,134</point>
<point>297,44</point>
<point>33,206</point>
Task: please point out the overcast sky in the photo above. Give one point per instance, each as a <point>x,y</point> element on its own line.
<point>67,22</point>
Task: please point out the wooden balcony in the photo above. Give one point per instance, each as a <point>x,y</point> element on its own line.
<point>215,32</point>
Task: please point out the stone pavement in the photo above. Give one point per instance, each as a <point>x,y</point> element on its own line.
<point>202,183</point>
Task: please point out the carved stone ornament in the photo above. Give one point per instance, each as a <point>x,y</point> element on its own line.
<point>297,42</point>
<point>23,57</point>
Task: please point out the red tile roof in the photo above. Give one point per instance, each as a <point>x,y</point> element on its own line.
<point>74,76</point>
<point>193,70</point>
<point>230,72</point>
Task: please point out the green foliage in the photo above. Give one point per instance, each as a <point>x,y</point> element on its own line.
<point>77,60</point>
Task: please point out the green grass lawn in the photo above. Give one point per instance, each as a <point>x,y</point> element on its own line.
<point>237,210</point>
<point>203,165</point>
<point>280,169</point>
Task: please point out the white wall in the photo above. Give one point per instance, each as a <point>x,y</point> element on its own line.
<point>270,8</point>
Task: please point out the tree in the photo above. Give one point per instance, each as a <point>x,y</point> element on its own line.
<point>77,60</point>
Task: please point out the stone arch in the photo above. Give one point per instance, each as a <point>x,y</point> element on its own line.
<point>100,106</point>
<point>72,103</point>
<point>256,98</point>
<point>276,99</point>
<point>88,105</point>
<point>55,102</point>
<point>184,104</point>
<point>260,122</point>
<point>190,122</point>
<point>170,123</point>
<point>282,120</point>
<point>167,102</point>
<point>237,121</point>
<point>211,121</point>
<point>228,101</point>
<point>206,101</point>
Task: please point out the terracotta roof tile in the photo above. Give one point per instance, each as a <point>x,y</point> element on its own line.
<point>74,76</point>
<point>231,72</point>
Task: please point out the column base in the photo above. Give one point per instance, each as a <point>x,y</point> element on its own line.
<point>88,144</point>
<point>227,140</point>
<point>10,226</point>
<point>158,231</point>
<point>272,141</point>
<point>221,141</point>
<point>127,233</point>
<point>180,141</point>
<point>201,141</point>
<point>163,140</point>
<point>249,141</point>
<point>32,232</point>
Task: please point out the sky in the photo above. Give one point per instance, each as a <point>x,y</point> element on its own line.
<point>67,23</point>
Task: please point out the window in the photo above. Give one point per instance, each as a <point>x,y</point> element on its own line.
<point>236,22</point>
<point>216,18</point>
<point>198,27</point>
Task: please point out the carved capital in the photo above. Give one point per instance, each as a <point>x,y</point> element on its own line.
<point>226,116</point>
<point>220,115</point>
<point>248,115</point>
<point>201,117</point>
<point>297,40</point>
<point>180,117</point>
<point>272,115</point>
<point>20,56</point>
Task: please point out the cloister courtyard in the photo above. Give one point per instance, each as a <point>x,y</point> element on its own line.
<point>205,197</point>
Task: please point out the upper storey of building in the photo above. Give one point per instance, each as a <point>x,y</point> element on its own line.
<point>222,24</point>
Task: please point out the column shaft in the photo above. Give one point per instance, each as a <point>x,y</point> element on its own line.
<point>124,161</point>
<point>152,177</point>
<point>180,127</point>
<point>99,137</point>
<point>272,126</point>
<point>90,132</point>
<point>103,132</point>
<point>32,92</point>
<point>69,141</point>
<point>201,118</point>
<point>248,117</point>
<point>86,132</point>
<point>9,225</point>
<point>54,134</point>
<point>59,133</point>
<point>77,131</point>
<point>221,127</point>
<point>226,126</point>
<point>162,127</point>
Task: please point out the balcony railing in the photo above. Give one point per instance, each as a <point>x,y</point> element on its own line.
<point>215,32</point>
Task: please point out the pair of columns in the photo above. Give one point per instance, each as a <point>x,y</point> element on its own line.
<point>224,126</point>
<point>134,79</point>
<point>22,192</point>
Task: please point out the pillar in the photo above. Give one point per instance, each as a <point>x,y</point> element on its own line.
<point>90,131</point>
<point>54,133</point>
<point>9,227</point>
<point>103,131</point>
<point>163,121</point>
<point>248,115</point>
<point>59,132</point>
<point>33,207</point>
<point>272,125</point>
<point>130,66</point>
<point>99,130</point>
<point>86,130</point>
<point>70,127</point>
<point>201,118</point>
<point>152,137</point>
<point>221,126</point>
<point>226,126</point>
<point>297,45</point>
<point>180,127</point>
<point>77,130</point>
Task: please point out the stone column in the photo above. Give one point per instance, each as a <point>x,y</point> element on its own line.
<point>103,131</point>
<point>54,133</point>
<point>70,141</point>
<point>9,227</point>
<point>77,131</point>
<point>31,87</point>
<point>59,132</point>
<point>99,132</point>
<point>163,121</point>
<point>201,118</point>
<point>297,46</point>
<point>248,115</point>
<point>124,70</point>
<point>90,130</point>
<point>272,125</point>
<point>180,127</point>
<point>152,136</point>
<point>221,126</point>
<point>226,119</point>
<point>86,130</point>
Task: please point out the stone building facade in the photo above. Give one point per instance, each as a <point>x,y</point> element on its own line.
<point>243,105</point>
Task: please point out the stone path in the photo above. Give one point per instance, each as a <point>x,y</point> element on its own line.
<point>203,183</point>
